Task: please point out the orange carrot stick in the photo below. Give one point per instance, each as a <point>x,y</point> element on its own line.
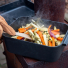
<point>34,29</point>
<point>22,30</point>
<point>59,38</point>
<point>49,28</point>
<point>50,43</point>
<point>28,27</point>
<point>55,33</point>
<point>19,37</point>
<point>41,37</point>
<point>31,30</point>
<point>53,41</point>
<point>27,33</point>
<point>57,30</point>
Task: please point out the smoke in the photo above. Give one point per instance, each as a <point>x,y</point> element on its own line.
<point>42,10</point>
<point>50,9</point>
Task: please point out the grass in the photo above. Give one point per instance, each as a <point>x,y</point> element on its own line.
<point>3,66</point>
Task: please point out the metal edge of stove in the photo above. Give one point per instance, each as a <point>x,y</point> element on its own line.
<point>8,7</point>
<point>15,4</point>
<point>29,4</point>
<point>18,9</point>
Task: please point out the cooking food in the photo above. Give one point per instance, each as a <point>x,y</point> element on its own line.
<point>41,34</point>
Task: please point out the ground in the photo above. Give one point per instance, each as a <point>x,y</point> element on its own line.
<point>2,58</point>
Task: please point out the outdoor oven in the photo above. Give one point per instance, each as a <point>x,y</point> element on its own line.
<point>46,9</point>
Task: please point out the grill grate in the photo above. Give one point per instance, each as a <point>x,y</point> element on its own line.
<point>3,2</point>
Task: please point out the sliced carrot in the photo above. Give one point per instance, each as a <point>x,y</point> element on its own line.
<point>27,33</point>
<point>53,41</point>
<point>55,33</point>
<point>59,38</point>
<point>19,37</point>
<point>28,27</point>
<point>57,30</point>
<point>22,30</point>
<point>49,28</point>
<point>34,29</point>
<point>41,37</point>
<point>50,43</point>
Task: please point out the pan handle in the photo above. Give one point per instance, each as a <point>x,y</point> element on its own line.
<point>65,40</point>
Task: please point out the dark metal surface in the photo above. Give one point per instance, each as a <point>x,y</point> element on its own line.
<point>62,62</point>
<point>4,2</point>
<point>50,9</point>
<point>15,10</point>
<point>22,61</point>
<point>12,61</point>
<point>66,38</point>
<point>10,6</point>
<point>29,4</point>
<point>33,50</point>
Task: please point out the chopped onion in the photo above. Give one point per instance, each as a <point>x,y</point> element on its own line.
<point>51,34</point>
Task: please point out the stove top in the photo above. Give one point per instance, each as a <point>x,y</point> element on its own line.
<point>17,9</point>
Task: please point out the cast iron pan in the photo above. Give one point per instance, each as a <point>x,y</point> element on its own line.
<point>32,50</point>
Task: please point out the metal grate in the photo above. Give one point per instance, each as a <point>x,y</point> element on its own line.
<point>3,2</point>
